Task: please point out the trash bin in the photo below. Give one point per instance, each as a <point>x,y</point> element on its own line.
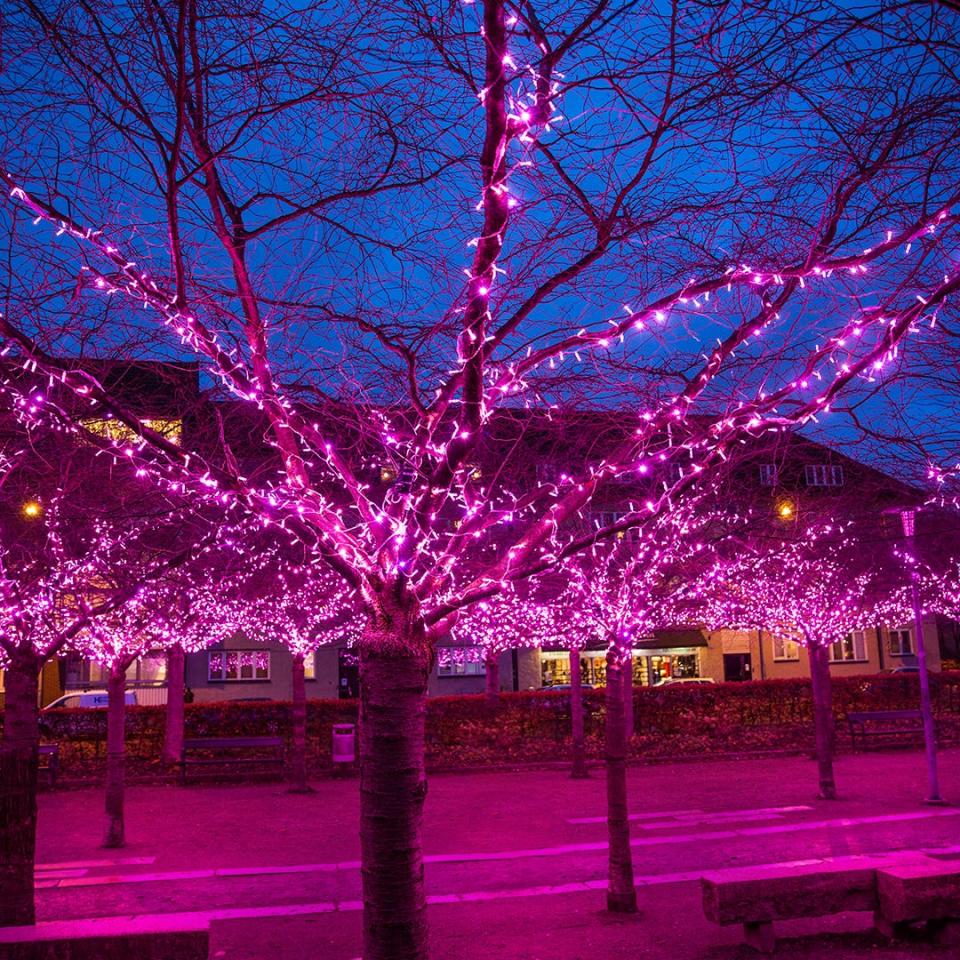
<point>344,749</point>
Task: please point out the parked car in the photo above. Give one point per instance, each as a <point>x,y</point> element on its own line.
<point>904,668</point>
<point>88,699</point>
<point>561,687</point>
<point>684,681</point>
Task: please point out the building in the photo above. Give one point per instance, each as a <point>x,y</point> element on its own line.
<point>786,478</point>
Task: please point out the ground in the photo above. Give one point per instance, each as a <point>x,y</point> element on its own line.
<point>515,861</point>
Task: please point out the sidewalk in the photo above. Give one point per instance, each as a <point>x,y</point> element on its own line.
<point>503,851</point>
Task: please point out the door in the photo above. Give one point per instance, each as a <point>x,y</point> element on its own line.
<point>736,667</point>
<point>348,685</point>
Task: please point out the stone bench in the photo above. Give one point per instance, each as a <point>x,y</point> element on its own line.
<point>155,937</point>
<point>756,896</point>
<point>927,890</point>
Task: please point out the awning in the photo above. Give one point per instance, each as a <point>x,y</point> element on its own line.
<point>670,639</point>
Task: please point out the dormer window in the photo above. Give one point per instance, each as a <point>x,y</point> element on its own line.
<point>823,475</point>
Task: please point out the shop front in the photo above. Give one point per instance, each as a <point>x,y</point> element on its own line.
<point>670,654</point>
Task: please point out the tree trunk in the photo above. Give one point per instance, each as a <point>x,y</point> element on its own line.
<point>173,729</point>
<point>492,662</point>
<point>628,699</point>
<point>394,666</point>
<point>18,791</point>
<point>298,753</point>
<point>823,718</point>
<point>579,769</point>
<point>116,757</point>
<point>621,894</point>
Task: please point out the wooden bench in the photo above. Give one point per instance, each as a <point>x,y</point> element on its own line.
<point>48,761</point>
<point>883,725</point>
<point>927,890</point>
<point>227,748</point>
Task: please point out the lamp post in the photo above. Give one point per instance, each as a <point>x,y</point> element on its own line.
<point>907,518</point>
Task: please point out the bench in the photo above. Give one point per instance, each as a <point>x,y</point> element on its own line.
<point>883,725</point>
<point>923,891</point>
<point>756,896</point>
<point>48,761</point>
<point>227,749</point>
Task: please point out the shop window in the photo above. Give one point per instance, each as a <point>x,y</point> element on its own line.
<point>460,662</point>
<point>784,649</point>
<point>851,649</point>
<point>901,642</point>
<point>238,665</point>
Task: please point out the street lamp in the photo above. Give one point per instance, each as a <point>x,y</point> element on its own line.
<point>32,509</point>
<point>908,519</point>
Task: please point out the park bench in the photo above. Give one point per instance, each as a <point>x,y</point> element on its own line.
<point>926,890</point>
<point>265,750</point>
<point>883,725</point>
<point>48,761</point>
<point>110,938</point>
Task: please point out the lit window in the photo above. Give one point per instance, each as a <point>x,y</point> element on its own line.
<point>852,648</point>
<point>310,666</point>
<point>768,474</point>
<point>901,642</point>
<point>823,475</point>
<point>460,661</point>
<point>784,649</point>
<point>238,665</point>
<point>171,430</point>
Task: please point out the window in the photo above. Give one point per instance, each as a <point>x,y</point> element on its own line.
<point>310,666</point>
<point>460,662</point>
<point>120,432</point>
<point>784,649</point>
<point>852,648</point>
<point>823,475</point>
<point>238,665</point>
<point>768,474</point>
<point>901,642</point>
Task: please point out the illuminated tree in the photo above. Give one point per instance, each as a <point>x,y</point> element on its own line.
<point>278,188</point>
<point>183,608</point>
<point>59,577</point>
<point>814,589</point>
<point>625,592</point>
<point>298,606</point>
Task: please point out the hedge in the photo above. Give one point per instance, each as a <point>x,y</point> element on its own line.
<point>465,731</point>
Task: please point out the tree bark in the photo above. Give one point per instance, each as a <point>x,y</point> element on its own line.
<point>579,767</point>
<point>823,718</point>
<point>492,663</point>
<point>173,729</point>
<point>298,753</point>
<point>18,790</point>
<point>628,699</point>
<point>394,665</point>
<point>116,755</point>
<point>621,894</point>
